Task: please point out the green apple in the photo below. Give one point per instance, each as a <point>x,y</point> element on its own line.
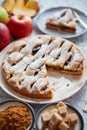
<point>3,15</point>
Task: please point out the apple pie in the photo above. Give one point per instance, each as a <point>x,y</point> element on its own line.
<point>26,63</point>
<point>62,20</point>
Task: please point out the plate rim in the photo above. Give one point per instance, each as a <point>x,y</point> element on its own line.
<point>60,7</point>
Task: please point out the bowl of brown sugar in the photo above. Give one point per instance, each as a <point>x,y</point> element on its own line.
<point>16,115</point>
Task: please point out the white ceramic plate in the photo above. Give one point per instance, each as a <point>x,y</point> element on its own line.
<point>64,85</point>
<point>42,18</point>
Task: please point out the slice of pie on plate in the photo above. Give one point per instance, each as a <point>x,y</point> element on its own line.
<point>26,62</point>
<point>62,20</point>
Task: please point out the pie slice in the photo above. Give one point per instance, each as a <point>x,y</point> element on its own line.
<point>62,20</point>
<point>26,63</point>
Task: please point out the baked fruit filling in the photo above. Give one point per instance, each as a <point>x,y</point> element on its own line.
<point>62,20</point>
<point>26,63</point>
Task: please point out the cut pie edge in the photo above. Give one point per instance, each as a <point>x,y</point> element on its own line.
<point>60,28</point>
<point>78,73</point>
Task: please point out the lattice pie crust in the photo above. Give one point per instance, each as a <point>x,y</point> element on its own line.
<point>26,62</point>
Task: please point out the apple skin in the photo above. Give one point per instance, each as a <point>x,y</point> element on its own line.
<point>20,26</point>
<point>4,18</point>
<point>4,36</point>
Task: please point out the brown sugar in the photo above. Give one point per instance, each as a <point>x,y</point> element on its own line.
<point>15,118</point>
<point>63,126</point>
<point>62,110</point>
<point>46,117</point>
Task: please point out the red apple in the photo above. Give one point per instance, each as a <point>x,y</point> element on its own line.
<point>20,26</point>
<point>4,36</point>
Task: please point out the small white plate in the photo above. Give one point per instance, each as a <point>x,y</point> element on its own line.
<point>42,18</point>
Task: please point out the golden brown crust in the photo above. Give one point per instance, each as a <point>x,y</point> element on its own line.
<point>23,91</point>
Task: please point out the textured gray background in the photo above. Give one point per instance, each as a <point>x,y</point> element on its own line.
<point>80,98</point>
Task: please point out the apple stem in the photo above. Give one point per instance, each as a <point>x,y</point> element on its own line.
<point>20,17</point>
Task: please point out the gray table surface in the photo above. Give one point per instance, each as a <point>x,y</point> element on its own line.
<point>79,99</point>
